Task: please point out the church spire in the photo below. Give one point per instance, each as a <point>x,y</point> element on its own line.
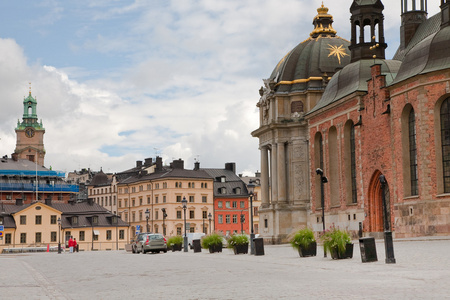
<point>413,14</point>
<point>322,23</point>
<point>367,30</point>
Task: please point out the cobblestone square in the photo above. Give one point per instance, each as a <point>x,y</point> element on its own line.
<point>421,272</point>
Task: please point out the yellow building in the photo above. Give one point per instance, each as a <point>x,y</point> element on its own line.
<point>40,225</point>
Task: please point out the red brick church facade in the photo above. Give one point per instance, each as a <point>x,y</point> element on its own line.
<point>386,117</point>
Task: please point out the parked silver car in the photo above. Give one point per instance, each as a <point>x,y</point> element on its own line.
<point>150,242</point>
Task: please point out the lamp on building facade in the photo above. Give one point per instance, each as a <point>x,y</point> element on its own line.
<point>323,180</point>
<point>147,216</point>
<point>164,218</point>
<point>209,218</point>
<point>59,236</point>
<point>388,243</point>
<point>251,188</point>
<point>185,239</point>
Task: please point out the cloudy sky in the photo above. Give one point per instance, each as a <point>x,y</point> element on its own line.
<point>122,80</point>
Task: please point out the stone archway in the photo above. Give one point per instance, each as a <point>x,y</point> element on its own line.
<point>375,213</point>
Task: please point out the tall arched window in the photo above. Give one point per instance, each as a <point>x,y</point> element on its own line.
<point>413,154</point>
<point>333,171</point>
<point>318,163</point>
<point>445,140</point>
<point>350,162</point>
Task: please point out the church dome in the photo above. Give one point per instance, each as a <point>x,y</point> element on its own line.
<point>429,55</point>
<point>353,78</point>
<point>318,57</point>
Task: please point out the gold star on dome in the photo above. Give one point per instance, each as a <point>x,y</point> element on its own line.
<point>337,51</point>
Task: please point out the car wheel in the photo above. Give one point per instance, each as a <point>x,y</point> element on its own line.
<point>165,251</point>
<point>133,250</point>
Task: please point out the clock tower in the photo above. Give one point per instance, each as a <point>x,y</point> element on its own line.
<point>30,134</point>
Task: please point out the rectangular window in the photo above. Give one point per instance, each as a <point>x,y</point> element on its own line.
<point>121,234</point>
<point>234,204</point>
<point>156,215</point>
<point>242,205</point>
<point>75,220</point>
<point>235,219</point>
<point>178,198</point>
<point>178,230</point>
<point>120,203</point>
<point>191,214</point>
<point>219,204</point>
<point>38,220</point>
<point>52,219</point>
<point>23,220</point>
<point>227,204</point>
<point>94,237</point>
<point>191,199</point>
<point>220,219</point>
<point>156,199</point>
<point>164,199</point>
<point>53,236</point>
<point>38,239</point>
<point>8,238</point>
<point>227,219</point>
<point>81,237</point>
<point>204,214</point>
<point>148,200</point>
<point>133,202</point>
<point>204,199</point>
<point>23,238</point>
<point>95,220</point>
<point>179,214</point>
<point>140,215</point>
<point>108,235</point>
<point>140,201</point>
<point>133,216</point>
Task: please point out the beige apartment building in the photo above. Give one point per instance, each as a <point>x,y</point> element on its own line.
<point>161,191</point>
<point>38,225</point>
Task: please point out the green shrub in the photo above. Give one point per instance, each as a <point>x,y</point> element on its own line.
<point>336,239</point>
<point>175,240</point>
<point>212,240</point>
<point>237,240</point>
<point>303,237</point>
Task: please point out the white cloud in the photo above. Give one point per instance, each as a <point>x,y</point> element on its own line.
<point>184,79</point>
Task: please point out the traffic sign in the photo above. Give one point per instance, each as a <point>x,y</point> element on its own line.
<point>1,233</point>
<point>2,227</point>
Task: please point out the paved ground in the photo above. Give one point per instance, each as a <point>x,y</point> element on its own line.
<point>422,271</point>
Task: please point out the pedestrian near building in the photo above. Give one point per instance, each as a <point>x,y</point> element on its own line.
<point>70,245</point>
<point>75,245</point>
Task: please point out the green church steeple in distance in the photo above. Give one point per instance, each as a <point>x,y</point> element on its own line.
<point>29,118</point>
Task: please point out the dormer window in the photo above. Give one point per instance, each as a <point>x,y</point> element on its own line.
<point>74,220</point>
<point>222,190</point>
<point>237,190</point>
<point>222,179</point>
<point>95,220</point>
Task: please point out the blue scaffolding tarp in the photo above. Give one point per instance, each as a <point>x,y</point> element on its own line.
<point>33,173</point>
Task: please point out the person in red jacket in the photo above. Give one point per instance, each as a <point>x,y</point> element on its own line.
<point>75,245</point>
<point>70,245</point>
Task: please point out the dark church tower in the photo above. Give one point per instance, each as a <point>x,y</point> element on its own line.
<point>414,13</point>
<point>367,30</point>
<point>445,12</point>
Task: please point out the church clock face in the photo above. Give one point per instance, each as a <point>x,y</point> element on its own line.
<point>29,132</point>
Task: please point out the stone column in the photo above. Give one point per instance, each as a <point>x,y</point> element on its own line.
<point>281,173</point>
<point>274,171</point>
<point>264,177</point>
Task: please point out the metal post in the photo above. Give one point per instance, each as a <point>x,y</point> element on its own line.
<point>185,239</point>
<point>388,243</point>
<point>323,180</point>
<point>59,236</point>
<point>203,219</point>
<point>209,218</point>
<point>164,218</point>
<point>147,216</point>
<point>251,188</point>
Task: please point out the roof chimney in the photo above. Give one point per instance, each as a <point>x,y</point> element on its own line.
<point>148,162</point>
<point>90,201</point>
<point>178,164</point>
<point>158,163</point>
<point>231,167</point>
<point>19,201</point>
<point>139,164</point>
<point>48,201</point>
<point>196,166</point>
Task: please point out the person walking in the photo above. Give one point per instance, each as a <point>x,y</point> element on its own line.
<point>75,245</point>
<point>70,245</point>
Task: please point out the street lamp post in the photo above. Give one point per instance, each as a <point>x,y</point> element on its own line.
<point>147,216</point>
<point>185,239</point>
<point>388,243</point>
<point>323,180</point>
<point>242,221</point>
<point>251,188</point>
<point>164,218</point>
<point>209,218</point>
<point>59,235</point>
